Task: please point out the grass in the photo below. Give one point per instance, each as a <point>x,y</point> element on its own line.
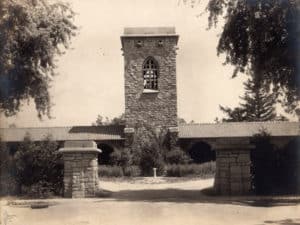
<point>204,170</point>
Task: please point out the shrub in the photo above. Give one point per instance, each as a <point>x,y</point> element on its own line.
<point>151,158</point>
<point>146,136</point>
<point>8,182</point>
<point>39,166</point>
<point>149,146</point>
<point>203,170</point>
<point>120,158</point>
<point>117,171</point>
<point>41,189</point>
<point>110,171</point>
<point>177,156</point>
<point>132,171</point>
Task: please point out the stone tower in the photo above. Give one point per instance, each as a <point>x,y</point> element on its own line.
<point>150,76</point>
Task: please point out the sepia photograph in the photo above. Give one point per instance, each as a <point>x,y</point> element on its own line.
<point>141,112</point>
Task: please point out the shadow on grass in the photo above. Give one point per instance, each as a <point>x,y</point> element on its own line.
<point>205,196</point>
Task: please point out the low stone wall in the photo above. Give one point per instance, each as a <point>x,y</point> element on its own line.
<point>80,169</point>
<point>233,176</point>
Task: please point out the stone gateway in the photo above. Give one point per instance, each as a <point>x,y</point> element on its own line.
<point>151,100</point>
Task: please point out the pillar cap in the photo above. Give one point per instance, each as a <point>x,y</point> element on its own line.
<point>173,129</point>
<point>79,147</point>
<point>79,150</point>
<point>128,130</point>
<point>80,144</point>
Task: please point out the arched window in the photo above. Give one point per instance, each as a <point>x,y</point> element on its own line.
<point>150,74</point>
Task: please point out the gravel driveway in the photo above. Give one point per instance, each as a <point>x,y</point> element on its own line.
<point>155,201</point>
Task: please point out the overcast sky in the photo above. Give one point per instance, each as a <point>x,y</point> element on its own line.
<point>90,80</point>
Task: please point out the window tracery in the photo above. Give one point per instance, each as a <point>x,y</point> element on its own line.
<point>150,74</point>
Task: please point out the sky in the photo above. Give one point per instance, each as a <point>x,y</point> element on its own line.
<point>91,82</point>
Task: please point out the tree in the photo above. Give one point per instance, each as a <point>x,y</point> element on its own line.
<point>181,121</point>
<point>119,120</point>
<point>258,104</point>
<point>32,34</point>
<point>261,38</point>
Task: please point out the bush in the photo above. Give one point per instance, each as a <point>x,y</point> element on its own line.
<point>8,182</point>
<point>132,171</point>
<point>151,158</point>
<point>41,189</point>
<point>117,171</point>
<point>177,156</point>
<point>39,166</point>
<point>149,143</point>
<point>182,170</point>
<point>110,171</point>
<point>120,158</point>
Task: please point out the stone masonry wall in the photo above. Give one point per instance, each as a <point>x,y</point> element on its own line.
<point>80,175</point>
<point>156,109</point>
<point>233,176</point>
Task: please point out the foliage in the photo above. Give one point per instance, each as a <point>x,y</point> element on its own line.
<point>203,170</point>
<point>110,171</point>
<point>258,104</point>
<point>120,158</point>
<point>261,38</point>
<point>181,121</point>
<point>33,33</point>
<point>41,189</point>
<point>177,156</point>
<point>151,157</point>
<point>149,148</point>
<point>120,120</point>
<point>132,171</point>
<point>39,165</point>
<point>8,183</point>
<point>265,168</point>
<point>274,169</point>
<point>117,171</point>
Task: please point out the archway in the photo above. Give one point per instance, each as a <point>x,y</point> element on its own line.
<point>104,157</point>
<point>201,152</point>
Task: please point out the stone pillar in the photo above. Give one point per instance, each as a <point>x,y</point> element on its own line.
<point>233,176</point>
<point>80,168</point>
<point>173,137</point>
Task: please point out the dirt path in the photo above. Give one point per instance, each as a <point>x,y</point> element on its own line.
<point>159,201</point>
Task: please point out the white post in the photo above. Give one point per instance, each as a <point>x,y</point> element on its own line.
<point>154,172</point>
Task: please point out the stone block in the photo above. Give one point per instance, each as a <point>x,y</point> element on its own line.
<point>243,158</point>
<point>236,179</point>
<point>224,174</point>
<point>246,170</point>
<point>236,188</point>
<point>235,170</point>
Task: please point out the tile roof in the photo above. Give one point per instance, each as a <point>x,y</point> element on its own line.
<point>63,133</point>
<point>238,129</point>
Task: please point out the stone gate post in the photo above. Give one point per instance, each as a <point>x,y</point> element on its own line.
<point>233,175</point>
<point>80,168</point>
